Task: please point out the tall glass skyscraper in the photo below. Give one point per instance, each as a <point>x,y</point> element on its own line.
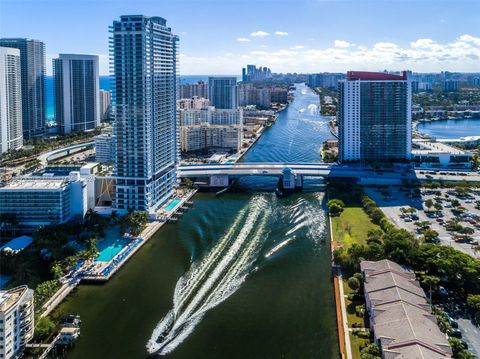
<point>11,136</point>
<point>144,54</point>
<point>374,117</point>
<point>77,98</point>
<point>32,63</point>
<point>223,92</point>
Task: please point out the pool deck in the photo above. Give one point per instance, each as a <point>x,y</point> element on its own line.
<point>92,272</point>
<point>98,274</point>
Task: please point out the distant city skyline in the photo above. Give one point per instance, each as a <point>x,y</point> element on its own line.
<point>220,37</point>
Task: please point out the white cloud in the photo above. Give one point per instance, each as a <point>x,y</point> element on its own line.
<point>470,38</point>
<point>425,55</point>
<point>341,44</point>
<point>259,33</point>
<point>281,33</point>
<point>423,43</point>
<point>243,39</point>
<point>297,47</point>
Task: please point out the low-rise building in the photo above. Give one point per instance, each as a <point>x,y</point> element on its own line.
<point>46,200</point>
<point>207,137</point>
<point>16,321</point>
<point>199,89</point>
<point>211,129</point>
<point>437,154</point>
<point>261,97</point>
<point>399,313</point>
<point>193,103</point>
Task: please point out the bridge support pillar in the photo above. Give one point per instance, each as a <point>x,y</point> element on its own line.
<point>298,181</point>
<point>219,181</point>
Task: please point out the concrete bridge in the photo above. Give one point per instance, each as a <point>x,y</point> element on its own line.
<point>220,175</point>
<point>64,151</point>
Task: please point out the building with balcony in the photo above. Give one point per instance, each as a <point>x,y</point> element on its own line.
<point>144,61</point>
<point>105,146</point>
<point>11,133</point>
<point>16,321</point>
<point>193,103</point>
<point>211,129</point>
<point>32,65</point>
<point>105,105</point>
<point>45,200</point>
<point>374,117</point>
<point>199,89</point>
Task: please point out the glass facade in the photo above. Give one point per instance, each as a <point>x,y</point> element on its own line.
<point>374,117</point>
<point>383,125</point>
<point>77,97</point>
<point>144,53</point>
<point>37,206</point>
<point>32,60</point>
<point>223,92</point>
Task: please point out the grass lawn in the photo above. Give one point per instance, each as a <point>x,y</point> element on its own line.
<point>351,226</point>
<point>350,306</point>
<point>358,343</point>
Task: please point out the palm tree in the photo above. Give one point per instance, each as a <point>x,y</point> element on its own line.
<point>431,281</point>
<point>114,217</point>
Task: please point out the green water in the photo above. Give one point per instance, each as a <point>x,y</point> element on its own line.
<point>243,275</point>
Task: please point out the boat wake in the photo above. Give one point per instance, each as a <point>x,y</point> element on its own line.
<point>217,276</point>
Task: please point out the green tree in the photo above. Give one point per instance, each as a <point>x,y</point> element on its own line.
<point>114,217</point>
<point>353,283</point>
<point>473,302</point>
<point>335,207</point>
<point>430,236</point>
<point>134,222</point>
<point>44,328</point>
<point>430,281</point>
<point>467,230</point>
<point>372,351</point>
<point>461,191</point>
<point>375,234</point>
<point>44,291</point>
<point>188,183</point>
<point>56,270</point>
<point>429,203</point>
<point>459,350</point>
<point>376,215</point>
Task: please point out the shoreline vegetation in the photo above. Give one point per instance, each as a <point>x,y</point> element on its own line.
<point>360,231</point>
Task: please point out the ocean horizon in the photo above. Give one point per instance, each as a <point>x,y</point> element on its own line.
<point>105,84</point>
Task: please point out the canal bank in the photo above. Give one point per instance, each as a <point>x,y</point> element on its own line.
<point>449,128</point>
<point>243,275</point>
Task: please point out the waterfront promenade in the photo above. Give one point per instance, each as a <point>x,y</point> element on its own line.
<point>102,272</point>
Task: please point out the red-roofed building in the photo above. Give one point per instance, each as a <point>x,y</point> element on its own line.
<point>375,76</point>
<point>374,117</point>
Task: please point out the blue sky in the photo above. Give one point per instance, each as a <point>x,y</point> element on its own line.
<point>221,36</point>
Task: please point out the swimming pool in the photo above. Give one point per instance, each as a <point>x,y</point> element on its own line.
<point>172,204</point>
<point>110,247</point>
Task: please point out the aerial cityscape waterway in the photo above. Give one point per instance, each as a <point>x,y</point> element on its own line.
<point>453,128</point>
<point>242,275</point>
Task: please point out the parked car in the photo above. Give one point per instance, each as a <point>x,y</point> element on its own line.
<point>455,333</point>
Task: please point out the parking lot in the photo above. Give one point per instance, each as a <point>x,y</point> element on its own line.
<point>440,210</point>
